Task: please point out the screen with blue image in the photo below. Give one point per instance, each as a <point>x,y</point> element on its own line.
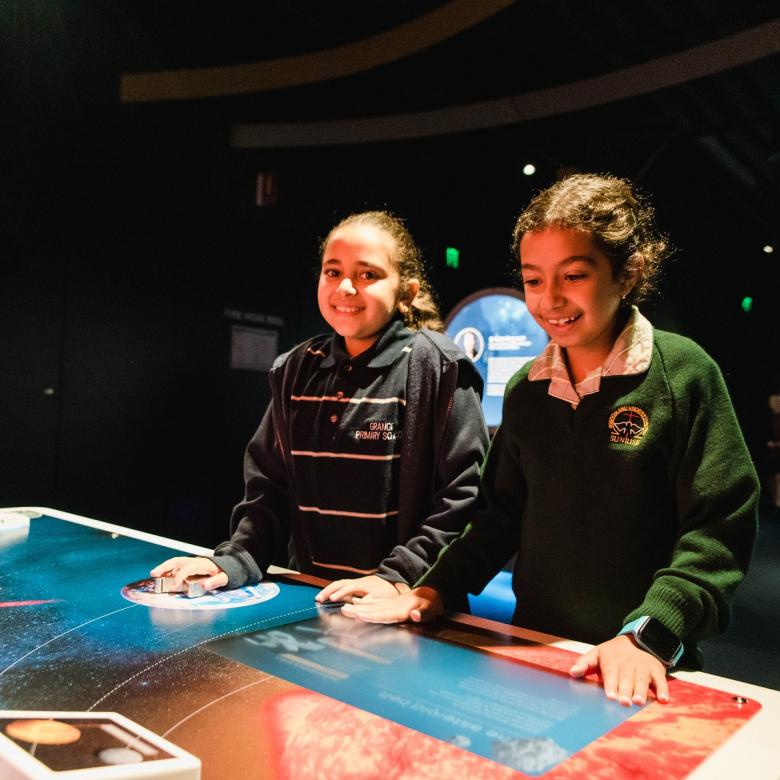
<point>497,332</point>
<point>516,715</point>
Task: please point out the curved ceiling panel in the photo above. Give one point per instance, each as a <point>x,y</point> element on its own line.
<point>395,44</point>
<point>672,70</point>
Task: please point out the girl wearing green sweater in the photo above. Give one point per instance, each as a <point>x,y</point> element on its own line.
<point>619,474</point>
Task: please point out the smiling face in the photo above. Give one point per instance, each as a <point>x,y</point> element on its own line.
<point>360,288</point>
<point>571,292</point>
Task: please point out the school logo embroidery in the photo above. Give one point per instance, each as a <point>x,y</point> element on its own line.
<point>379,431</point>
<point>627,425</point>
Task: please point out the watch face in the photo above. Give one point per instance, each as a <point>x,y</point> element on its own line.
<point>659,639</point>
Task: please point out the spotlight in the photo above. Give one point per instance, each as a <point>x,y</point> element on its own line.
<point>768,249</point>
<point>529,169</point>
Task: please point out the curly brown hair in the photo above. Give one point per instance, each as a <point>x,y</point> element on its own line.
<point>422,311</point>
<point>610,208</point>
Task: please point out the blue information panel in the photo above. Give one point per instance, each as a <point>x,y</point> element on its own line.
<point>496,330</point>
<point>521,717</point>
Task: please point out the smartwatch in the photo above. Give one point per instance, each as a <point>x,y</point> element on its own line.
<point>652,635</point>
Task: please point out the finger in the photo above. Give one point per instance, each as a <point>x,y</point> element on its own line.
<point>345,592</point>
<point>585,664</point>
<point>427,609</point>
<point>189,568</point>
<point>376,612</point>
<point>384,617</point>
<point>324,594</point>
<point>165,567</point>
<point>661,685</point>
<point>179,575</point>
<point>217,581</point>
<point>627,683</point>
<point>641,686</point>
<point>424,611</point>
<point>610,681</point>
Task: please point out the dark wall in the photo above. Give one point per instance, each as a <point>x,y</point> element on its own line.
<point>126,238</point>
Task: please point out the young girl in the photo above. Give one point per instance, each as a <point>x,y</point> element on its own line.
<point>366,463</point>
<point>619,473</point>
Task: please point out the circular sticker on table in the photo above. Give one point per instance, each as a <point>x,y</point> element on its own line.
<point>142,592</point>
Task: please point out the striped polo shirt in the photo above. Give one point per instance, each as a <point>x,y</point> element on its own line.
<point>347,422</point>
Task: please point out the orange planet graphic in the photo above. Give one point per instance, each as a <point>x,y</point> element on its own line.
<point>43,732</point>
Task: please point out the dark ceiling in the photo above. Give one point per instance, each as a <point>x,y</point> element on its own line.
<point>494,60</point>
<point>129,225</point>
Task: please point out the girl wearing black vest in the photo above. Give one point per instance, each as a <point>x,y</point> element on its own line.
<point>366,463</point>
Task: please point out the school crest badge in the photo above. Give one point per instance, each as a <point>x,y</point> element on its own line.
<point>627,425</point>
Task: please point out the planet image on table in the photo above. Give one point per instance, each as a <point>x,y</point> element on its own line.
<point>42,732</point>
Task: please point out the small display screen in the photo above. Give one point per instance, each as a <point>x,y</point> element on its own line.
<point>66,743</point>
<point>659,638</point>
<point>497,332</point>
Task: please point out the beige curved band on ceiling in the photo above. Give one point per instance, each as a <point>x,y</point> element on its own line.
<point>672,70</point>
<point>400,42</point>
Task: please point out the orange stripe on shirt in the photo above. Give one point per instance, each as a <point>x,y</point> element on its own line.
<point>341,399</point>
<point>340,513</point>
<point>344,568</point>
<point>353,456</point>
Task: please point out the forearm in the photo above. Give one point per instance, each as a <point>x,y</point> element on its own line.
<point>492,536</point>
<point>259,523</point>
<point>717,497</point>
<point>408,562</point>
<point>692,596</point>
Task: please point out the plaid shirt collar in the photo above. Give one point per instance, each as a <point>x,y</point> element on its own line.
<point>630,355</point>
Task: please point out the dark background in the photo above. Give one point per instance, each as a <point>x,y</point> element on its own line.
<point>129,231</point>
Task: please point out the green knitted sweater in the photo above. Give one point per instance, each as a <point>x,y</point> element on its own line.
<point>642,501</point>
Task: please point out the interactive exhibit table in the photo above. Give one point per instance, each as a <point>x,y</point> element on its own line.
<point>101,677</point>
